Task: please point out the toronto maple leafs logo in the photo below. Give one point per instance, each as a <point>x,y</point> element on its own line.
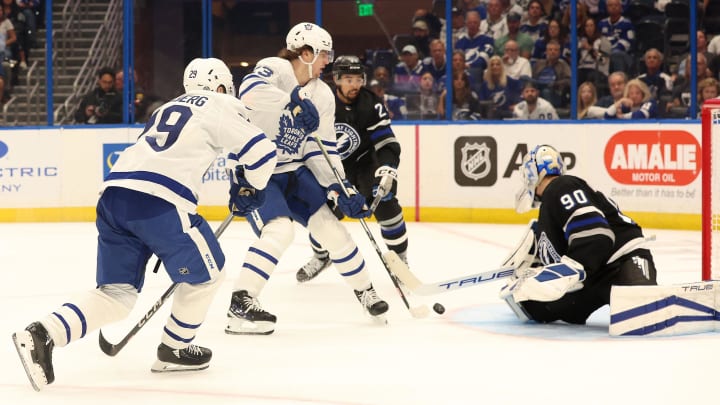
<point>289,137</point>
<point>348,139</point>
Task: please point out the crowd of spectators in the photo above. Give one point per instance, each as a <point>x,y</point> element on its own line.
<point>104,103</point>
<point>511,59</point>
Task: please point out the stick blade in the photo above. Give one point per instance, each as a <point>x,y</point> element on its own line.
<point>401,270</point>
<point>107,347</point>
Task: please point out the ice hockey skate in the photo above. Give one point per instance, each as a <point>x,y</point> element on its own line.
<point>311,269</point>
<point>35,349</point>
<point>188,359</point>
<point>246,317</point>
<point>372,303</point>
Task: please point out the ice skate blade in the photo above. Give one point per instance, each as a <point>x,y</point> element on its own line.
<point>379,320</point>
<point>165,367</point>
<point>237,326</point>
<point>25,345</point>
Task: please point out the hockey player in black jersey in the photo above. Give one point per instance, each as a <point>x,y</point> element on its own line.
<point>583,245</point>
<point>370,154</point>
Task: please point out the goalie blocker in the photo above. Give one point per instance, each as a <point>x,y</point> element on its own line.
<point>665,310</point>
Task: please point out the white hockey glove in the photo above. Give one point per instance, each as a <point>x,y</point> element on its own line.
<point>385,182</point>
<point>549,283</point>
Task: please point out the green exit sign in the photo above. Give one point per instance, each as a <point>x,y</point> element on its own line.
<point>365,10</point>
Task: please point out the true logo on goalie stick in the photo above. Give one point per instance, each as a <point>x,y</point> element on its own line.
<point>475,161</point>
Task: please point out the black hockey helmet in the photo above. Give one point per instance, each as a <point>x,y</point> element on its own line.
<point>347,65</point>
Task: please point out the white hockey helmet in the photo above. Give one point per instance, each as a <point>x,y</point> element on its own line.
<point>541,161</point>
<point>309,34</point>
<point>208,74</point>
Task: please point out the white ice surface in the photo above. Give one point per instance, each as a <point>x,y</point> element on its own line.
<point>325,350</point>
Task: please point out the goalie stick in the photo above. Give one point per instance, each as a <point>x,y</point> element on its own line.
<point>453,284</point>
<point>112,349</point>
<point>391,261</point>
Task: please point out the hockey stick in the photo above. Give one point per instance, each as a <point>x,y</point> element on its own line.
<point>453,284</point>
<point>391,261</point>
<point>113,349</point>
<point>382,189</point>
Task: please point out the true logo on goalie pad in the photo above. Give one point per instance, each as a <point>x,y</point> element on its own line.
<point>664,310</point>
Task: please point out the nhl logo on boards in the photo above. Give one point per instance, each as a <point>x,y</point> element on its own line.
<point>475,161</point>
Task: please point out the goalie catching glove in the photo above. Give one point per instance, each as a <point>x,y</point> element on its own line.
<point>304,111</point>
<point>351,204</point>
<point>244,198</point>
<point>385,182</point>
<point>546,284</point>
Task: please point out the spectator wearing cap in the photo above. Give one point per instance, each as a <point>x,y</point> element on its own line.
<point>478,47</point>
<point>421,37</point>
<point>495,25</point>
<point>533,107</point>
<point>523,40</point>
<point>435,19</point>
<point>406,76</point>
<point>394,104</point>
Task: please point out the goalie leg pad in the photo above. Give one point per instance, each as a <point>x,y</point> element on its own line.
<point>664,310</point>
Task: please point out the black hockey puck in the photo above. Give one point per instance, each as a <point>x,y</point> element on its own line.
<point>438,308</point>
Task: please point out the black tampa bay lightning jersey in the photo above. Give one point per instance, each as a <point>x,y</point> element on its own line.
<point>577,221</point>
<point>364,133</point>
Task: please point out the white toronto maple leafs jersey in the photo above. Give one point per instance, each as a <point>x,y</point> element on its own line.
<point>266,93</point>
<point>182,139</point>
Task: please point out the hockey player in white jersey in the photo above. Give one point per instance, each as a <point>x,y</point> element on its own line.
<point>286,98</point>
<point>148,204</point>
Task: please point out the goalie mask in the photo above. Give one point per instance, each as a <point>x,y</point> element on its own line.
<point>309,34</point>
<point>541,161</point>
<point>208,74</point>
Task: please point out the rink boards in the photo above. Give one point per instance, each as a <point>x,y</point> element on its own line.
<point>458,172</point>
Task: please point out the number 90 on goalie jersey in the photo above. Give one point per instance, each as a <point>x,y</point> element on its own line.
<point>681,309</point>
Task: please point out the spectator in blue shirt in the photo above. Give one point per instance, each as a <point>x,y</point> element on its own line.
<point>406,75</point>
<point>500,89</point>
<point>621,34</point>
<point>477,47</point>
